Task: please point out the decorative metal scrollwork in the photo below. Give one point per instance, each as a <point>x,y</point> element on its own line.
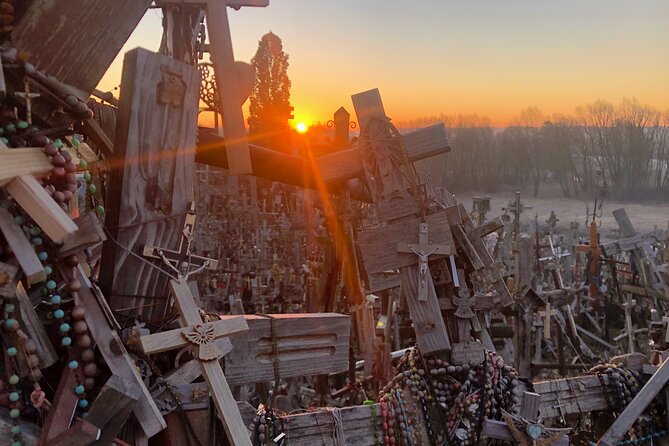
<point>208,88</point>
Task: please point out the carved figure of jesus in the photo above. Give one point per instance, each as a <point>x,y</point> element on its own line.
<point>422,264</point>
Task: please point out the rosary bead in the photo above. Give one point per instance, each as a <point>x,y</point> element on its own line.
<point>74,285</point>
<point>78,313</point>
<point>59,314</point>
<point>14,413</point>
<point>72,261</point>
<point>80,327</point>
<point>69,167</point>
<point>15,430</point>
<point>14,396</point>
<point>12,351</point>
<point>14,379</point>
<point>33,361</point>
<point>58,172</point>
<point>66,341</point>
<point>87,355</point>
<point>90,369</point>
<point>73,364</point>
<point>36,374</point>
<point>55,299</point>
<point>57,160</point>
<point>83,341</point>
<point>64,327</point>
<point>50,149</point>
<point>9,308</point>
<point>89,383</point>
<point>79,389</point>
<point>83,404</point>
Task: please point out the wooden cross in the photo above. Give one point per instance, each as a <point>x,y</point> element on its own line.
<point>181,260</point>
<point>595,252</point>
<point>516,207</point>
<point>201,337</point>
<point>17,178</point>
<point>470,240</point>
<point>423,250</point>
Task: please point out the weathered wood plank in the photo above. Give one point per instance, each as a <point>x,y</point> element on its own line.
<point>112,407</point>
<point>152,181</point>
<point>79,58</point>
<point>379,246</point>
<point>626,419</point>
<point>34,328</point>
<point>22,249</point>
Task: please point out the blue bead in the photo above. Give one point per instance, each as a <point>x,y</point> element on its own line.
<point>43,256</point>
<point>73,364</point>
<point>11,351</point>
<point>83,404</point>
<point>66,341</point>
<point>14,413</point>
<point>79,389</point>
<point>9,323</point>
<point>55,299</point>
<point>51,284</point>
<point>58,143</point>
<point>35,230</point>
<point>14,379</point>
<point>9,308</point>
<point>64,327</point>
<point>15,430</point>
<point>14,396</point>
<point>48,270</point>
<point>59,314</point>
<point>37,241</point>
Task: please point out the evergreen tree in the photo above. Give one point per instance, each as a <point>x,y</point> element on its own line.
<point>270,107</point>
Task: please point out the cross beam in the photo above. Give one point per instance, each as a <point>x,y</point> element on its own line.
<point>334,169</point>
<point>202,336</point>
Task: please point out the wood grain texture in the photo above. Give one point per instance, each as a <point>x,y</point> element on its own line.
<point>112,407</point>
<point>62,409</point>
<point>309,344</point>
<point>84,37</point>
<point>576,395</point>
<point>17,162</point>
<point>229,88</point>
<point>34,328</point>
<point>37,203</point>
<point>379,246</point>
<point>113,351</point>
<point>152,181</point>
<point>22,249</point>
<point>169,340</point>
<point>431,334</point>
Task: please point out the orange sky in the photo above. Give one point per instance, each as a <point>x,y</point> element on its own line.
<point>429,57</point>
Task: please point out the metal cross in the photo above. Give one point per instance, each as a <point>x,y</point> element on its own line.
<point>183,259</point>
<point>27,96</point>
<point>423,250</point>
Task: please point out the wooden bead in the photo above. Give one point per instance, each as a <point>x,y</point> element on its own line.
<point>69,167</point>
<point>59,196</point>
<point>66,156</point>
<point>57,160</point>
<point>67,195</point>
<point>74,285</point>
<point>50,149</point>
<point>78,312</point>
<point>33,361</point>
<point>89,383</point>
<point>72,261</point>
<point>84,341</point>
<point>30,346</point>
<point>36,374</point>
<point>88,355</point>
<point>80,327</point>
<point>90,369</point>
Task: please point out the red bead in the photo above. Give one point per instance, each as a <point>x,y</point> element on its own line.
<point>50,149</point>
<point>66,156</point>
<point>69,167</point>
<point>58,172</point>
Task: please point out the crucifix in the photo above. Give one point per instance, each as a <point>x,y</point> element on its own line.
<point>27,96</point>
<point>423,250</point>
<point>181,260</point>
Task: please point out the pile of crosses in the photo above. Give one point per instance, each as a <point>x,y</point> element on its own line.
<point>104,340</point>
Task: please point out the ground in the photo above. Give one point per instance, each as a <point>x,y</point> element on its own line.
<point>645,217</point>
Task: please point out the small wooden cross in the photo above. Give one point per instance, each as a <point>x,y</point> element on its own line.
<point>547,315</point>
<point>27,96</point>
<point>423,250</point>
<point>182,259</point>
<point>595,251</point>
<point>202,336</point>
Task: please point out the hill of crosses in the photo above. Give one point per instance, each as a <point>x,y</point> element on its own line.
<point>165,283</point>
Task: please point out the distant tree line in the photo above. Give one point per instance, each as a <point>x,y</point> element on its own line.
<point>624,146</point>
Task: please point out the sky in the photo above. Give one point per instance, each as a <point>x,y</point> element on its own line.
<point>428,57</point>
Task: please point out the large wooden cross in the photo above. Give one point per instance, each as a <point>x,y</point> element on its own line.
<point>201,337</point>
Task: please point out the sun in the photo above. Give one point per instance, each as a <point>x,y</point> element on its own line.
<point>301,127</point>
